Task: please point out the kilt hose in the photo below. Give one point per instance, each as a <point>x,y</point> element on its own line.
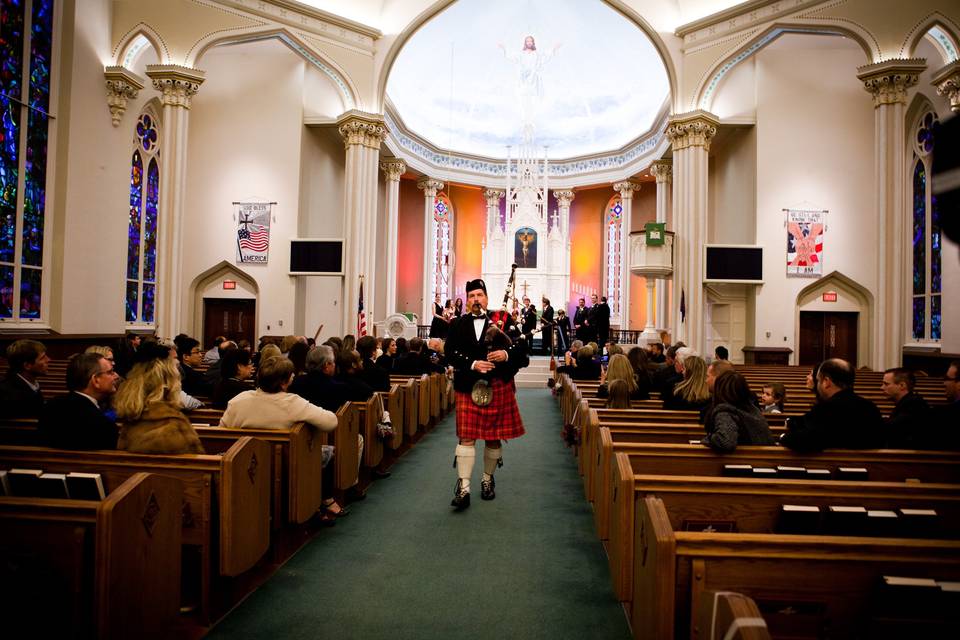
<point>499,420</point>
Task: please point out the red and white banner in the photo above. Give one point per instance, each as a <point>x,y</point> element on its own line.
<point>253,232</point>
<point>805,231</point>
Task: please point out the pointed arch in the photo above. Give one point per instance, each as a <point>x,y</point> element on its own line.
<point>937,28</point>
<point>442,260</point>
<point>851,296</point>
<point>247,287</point>
<point>132,44</point>
<point>614,253</point>
<point>349,93</point>
<point>710,82</point>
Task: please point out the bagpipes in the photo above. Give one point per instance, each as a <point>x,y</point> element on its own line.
<point>496,337</point>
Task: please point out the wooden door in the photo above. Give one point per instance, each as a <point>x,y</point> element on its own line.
<point>230,317</point>
<point>825,335</point>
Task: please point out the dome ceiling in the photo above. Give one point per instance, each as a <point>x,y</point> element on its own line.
<point>593,83</point>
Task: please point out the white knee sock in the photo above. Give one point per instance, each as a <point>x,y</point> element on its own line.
<point>465,458</point>
<point>491,457</point>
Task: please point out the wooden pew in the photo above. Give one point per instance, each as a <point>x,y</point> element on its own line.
<point>106,569</point>
<point>393,402</point>
<point>296,465</point>
<point>828,581</point>
<point>346,458</point>
<point>226,507</point>
<point>630,473</point>
<point>726,615</point>
<point>368,416</point>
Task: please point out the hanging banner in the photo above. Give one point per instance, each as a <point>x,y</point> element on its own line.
<point>253,232</point>
<point>805,242</point>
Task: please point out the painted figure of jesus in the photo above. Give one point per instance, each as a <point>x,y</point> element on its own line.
<point>529,86</point>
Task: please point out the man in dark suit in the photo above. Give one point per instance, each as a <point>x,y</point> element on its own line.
<point>76,420</point>
<point>581,329</point>
<point>20,395</point>
<point>911,414</point>
<point>377,378</point>
<point>528,322</point>
<point>841,420</point>
<point>484,363</point>
<point>318,384</point>
<point>600,320</point>
<point>547,325</point>
<point>191,357</point>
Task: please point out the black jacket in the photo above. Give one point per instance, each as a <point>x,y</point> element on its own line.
<point>528,319</point>
<point>377,378</point>
<point>907,423</point>
<point>193,382</point>
<point>73,422</point>
<point>728,425</point>
<point>18,400</point>
<point>225,391</point>
<point>321,390</point>
<point>845,421</point>
<point>387,362</point>
<point>463,348</point>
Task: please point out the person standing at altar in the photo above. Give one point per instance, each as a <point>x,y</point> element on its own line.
<point>563,332</point>
<point>528,322</point>
<point>600,320</point>
<point>580,327</point>
<point>546,324</point>
<point>485,363</point>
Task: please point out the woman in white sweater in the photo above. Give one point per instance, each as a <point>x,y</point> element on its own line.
<point>269,406</point>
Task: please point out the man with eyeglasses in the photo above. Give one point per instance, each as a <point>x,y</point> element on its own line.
<point>76,420</point>
<point>191,357</point>
<point>946,418</point>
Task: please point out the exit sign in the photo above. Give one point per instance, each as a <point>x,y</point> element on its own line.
<point>830,296</point>
<point>232,284</point>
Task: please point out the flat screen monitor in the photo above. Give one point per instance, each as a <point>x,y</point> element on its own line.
<point>316,256</point>
<point>733,263</point>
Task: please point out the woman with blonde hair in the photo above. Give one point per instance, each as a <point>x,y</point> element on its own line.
<point>270,351</point>
<point>691,394</point>
<point>620,369</point>
<point>619,395</point>
<point>148,406</point>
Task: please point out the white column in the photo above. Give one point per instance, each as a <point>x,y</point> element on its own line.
<point>625,189</point>
<point>662,170</point>
<point>430,188</point>
<point>177,86</point>
<point>392,169</point>
<point>362,134</point>
<point>947,82</point>
<point>564,198</point>
<point>888,83</point>
<point>690,134</point>
<point>493,197</point>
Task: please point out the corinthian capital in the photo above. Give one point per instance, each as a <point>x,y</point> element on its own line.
<point>177,85</point>
<point>947,82</point>
<point>626,189</point>
<point>359,128</point>
<point>564,198</point>
<point>430,186</point>
<point>122,85</point>
<point>493,196</point>
<point>693,129</point>
<point>393,168</point>
<point>888,81</point>
<point>662,170</point>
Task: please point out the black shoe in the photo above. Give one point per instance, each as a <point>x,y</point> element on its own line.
<point>461,498</point>
<point>379,475</point>
<point>486,489</point>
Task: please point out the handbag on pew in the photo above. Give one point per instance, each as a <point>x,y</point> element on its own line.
<point>384,426</point>
<point>571,432</point>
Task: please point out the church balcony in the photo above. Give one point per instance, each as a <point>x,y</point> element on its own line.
<point>651,252</point>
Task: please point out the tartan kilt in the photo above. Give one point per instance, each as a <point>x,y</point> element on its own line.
<point>499,420</point>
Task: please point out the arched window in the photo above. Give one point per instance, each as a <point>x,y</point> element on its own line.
<point>142,222</point>
<point>926,309</point>
<point>442,230</point>
<point>614,252</point>
<point>26,43</point>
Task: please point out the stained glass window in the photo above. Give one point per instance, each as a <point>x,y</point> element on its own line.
<point>442,244</point>
<point>926,227</point>
<point>142,222</point>
<point>614,229</point>
<point>26,38</point>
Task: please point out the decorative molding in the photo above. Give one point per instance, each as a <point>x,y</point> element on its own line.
<point>692,129</point>
<point>564,197</point>
<point>393,169</point>
<point>122,85</point>
<point>738,18</point>
<point>888,81</point>
<point>177,84</point>
<point>430,187</point>
<point>360,128</point>
<point>662,170</point>
<point>626,188</point>
<point>947,82</point>
<point>311,19</point>
<point>493,196</point>
<point>252,469</point>
<point>151,513</point>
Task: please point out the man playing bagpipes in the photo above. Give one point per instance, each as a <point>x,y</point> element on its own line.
<point>485,358</point>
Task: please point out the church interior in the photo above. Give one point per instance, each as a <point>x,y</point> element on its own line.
<point>767,176</point>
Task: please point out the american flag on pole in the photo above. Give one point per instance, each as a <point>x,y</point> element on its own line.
<point>361,316</point>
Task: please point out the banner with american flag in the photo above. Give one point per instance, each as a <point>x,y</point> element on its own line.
<point>805,242</point>
<point>253,232</point>
<point>361,314</point>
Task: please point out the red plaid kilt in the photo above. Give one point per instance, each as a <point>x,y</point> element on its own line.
<point>499,420</point>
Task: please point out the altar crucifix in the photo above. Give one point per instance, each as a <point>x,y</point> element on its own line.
<point>525,287</point>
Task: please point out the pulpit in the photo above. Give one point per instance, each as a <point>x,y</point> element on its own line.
<point>651,256</point>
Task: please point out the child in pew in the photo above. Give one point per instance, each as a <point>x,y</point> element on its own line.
<point>733,418</point>
<point>773,397</point>
<point>148,406</point>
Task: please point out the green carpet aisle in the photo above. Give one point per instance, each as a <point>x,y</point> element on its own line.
<point>401,565</point>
